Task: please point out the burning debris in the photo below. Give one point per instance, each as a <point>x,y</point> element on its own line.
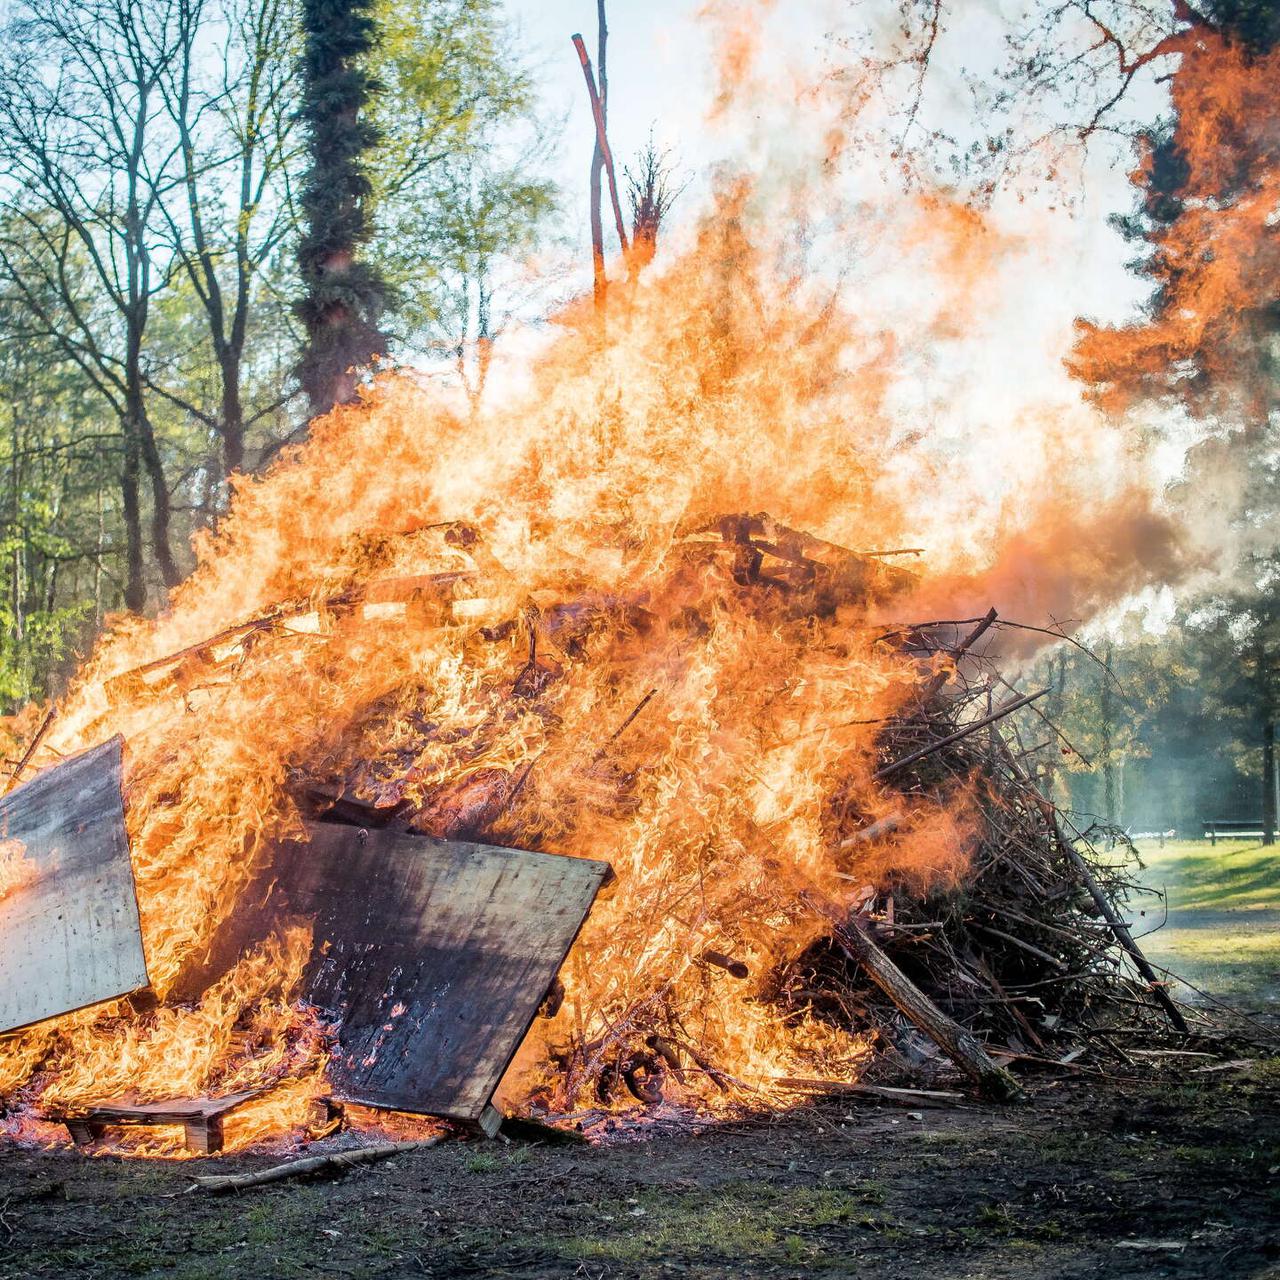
<point>564,627</point>
<point>769,943</point>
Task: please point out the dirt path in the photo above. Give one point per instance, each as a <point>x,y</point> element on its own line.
<point>1133,1180</point>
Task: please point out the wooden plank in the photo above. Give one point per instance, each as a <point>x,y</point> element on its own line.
<point>432,956</point>
<point>69,932</point>
<point>200,1118</point>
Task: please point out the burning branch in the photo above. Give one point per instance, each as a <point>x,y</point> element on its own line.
<point>999,714</point>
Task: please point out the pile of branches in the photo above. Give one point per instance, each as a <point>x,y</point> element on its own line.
<point>1030,952</point>
<point>1027,956</point>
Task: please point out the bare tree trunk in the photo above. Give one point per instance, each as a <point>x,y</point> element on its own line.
<point>15,577</point>
<point>135,586</point>
<point>97,559</point>
<point>601,284</point>
<point>1106,732</point>
<point>232,422</point>
<point>138,425</point>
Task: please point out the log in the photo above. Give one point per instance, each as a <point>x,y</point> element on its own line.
<point>339,1161</point>
<point>961,1046</point>
<point>1121,930</point>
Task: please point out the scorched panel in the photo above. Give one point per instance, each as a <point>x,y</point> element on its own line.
<point>69,933</point>
<point>433,955</point>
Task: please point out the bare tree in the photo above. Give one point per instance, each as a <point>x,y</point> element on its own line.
<point>597,157</point>
<point>234,121</point>
<point>1069,76</point>
<point>91,157</point>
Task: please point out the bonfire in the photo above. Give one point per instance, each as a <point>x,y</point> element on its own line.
<point>654,610</point>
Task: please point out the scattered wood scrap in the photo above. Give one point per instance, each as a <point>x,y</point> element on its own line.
<point>335,1162</point>
<point>882,1093</point>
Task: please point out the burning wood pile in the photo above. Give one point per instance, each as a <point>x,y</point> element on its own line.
<point>930,899</point>
<point>441,671</point>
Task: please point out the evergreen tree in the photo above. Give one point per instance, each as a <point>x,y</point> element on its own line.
<point>1204,224</point>
<point>344,296</point>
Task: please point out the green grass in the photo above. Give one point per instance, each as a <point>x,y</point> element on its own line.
<point>1199,877</point>
<point>754,1221</point>
<point>1223,927</point>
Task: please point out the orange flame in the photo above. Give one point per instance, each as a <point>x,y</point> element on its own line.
<point>569,519</point>
<point>1217,261</point>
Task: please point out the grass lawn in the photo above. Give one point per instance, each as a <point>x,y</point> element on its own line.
<point>1223,927</point>
<point>1233,875</point>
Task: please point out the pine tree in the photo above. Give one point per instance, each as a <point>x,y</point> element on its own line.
<point>345,296</point>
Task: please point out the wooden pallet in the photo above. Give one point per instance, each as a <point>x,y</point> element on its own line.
<point>200,1118</point>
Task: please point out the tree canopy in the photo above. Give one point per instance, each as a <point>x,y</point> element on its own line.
<point>170,254</point>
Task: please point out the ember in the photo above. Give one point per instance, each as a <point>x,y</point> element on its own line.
<point>613,621</point>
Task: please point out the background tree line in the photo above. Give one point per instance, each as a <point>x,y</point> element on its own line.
<point>1177,736</point>
<point>158,307</point>
<point>1166,730</point>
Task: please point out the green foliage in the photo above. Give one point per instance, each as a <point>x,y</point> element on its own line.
<point>456,180</point>
<point>1255,22</point>
<point>343,298</point>
<point>433,120</point>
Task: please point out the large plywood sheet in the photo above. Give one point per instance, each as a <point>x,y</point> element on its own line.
<point>432,956</point>
<point>69,933</point>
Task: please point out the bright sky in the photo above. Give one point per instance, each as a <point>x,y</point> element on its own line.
<point>661,76</point>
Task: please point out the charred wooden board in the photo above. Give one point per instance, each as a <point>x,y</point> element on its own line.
<point>69,933</point>
<point>431,956</point>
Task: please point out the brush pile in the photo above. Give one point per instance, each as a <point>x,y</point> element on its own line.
<point>831,856</point>
<point>1019,942</point>
<point>1028,949</point>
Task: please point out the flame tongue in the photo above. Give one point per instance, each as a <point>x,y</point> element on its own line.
<point>543,626</point>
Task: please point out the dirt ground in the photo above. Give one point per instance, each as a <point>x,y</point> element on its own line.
<point>1127,1179</point>
<point>1154,1174</point>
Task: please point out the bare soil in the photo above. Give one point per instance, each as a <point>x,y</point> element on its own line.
<point>1129,1178</point>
